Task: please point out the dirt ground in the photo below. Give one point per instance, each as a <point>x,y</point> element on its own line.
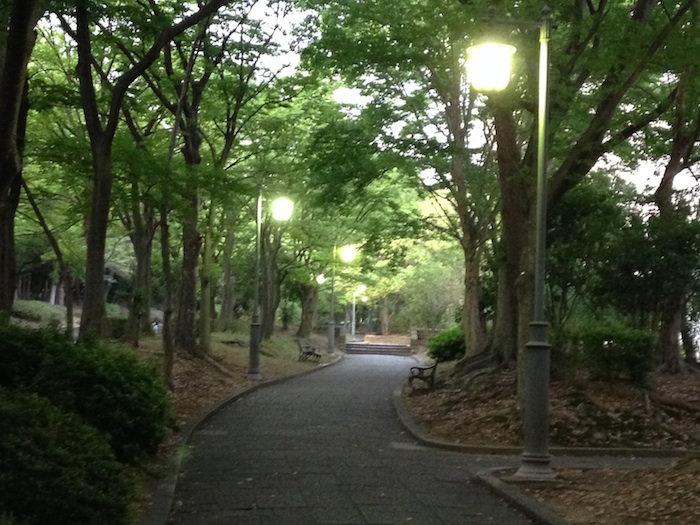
<point>482,410</point>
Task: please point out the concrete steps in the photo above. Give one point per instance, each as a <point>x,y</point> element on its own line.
<point>361,347</point>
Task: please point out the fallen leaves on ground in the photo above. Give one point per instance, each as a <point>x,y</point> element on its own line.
<point>482,409</point>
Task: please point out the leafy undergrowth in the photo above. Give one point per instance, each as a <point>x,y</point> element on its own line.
<point>481,409</point>
<point>667,495</point>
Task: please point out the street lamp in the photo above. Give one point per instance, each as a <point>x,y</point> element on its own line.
<point>282,209</point>
<point>535,460</point>
<point>360,290</point>
<point>347,255</point>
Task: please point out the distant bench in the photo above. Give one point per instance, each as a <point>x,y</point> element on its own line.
<point>423,373</point>
<point>308,351</point>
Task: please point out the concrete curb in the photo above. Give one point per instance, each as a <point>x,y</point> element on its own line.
<point>513,496</point>
<point>162,500</point>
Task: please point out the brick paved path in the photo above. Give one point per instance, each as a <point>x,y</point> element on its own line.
<point>326,448</point>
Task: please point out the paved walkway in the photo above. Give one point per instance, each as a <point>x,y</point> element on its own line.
<point>326,448</point>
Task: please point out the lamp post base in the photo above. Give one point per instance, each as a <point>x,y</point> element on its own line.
<point>254,357</point>
<point>331,338</point>
<point>535,467</point>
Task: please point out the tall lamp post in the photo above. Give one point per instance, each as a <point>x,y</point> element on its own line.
<point>360,290</point>
<point>347,254</point>
<point>482,64</point>
<point>281,211</point>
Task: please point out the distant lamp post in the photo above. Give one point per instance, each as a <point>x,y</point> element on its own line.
<point>360,290</point>
<point>535,460</point>
<point>347,255</point>
<point>282,209</point>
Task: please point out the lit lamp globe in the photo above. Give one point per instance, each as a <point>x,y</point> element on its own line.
<point>348,253</point>
<point>282,209</point>
<point>488,66</point>
<point>320,279</point>
<point>361,289</point>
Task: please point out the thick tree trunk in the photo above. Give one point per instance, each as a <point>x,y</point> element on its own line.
<point>515,287</point>
<point>308,297</point>
<point>8,260</point>
<point>670,331</point>
<point>185,337</point>
<point>472,321</point>
<point>17,40</point>
<point>93,316</point>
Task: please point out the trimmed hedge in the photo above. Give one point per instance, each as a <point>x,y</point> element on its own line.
<point>109,388</point>
<point>613,350</point>
<point>54,468</point>
<point>447,345</point>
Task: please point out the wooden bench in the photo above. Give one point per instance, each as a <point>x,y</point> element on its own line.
<point>308,351</point>
<point>424,373</point>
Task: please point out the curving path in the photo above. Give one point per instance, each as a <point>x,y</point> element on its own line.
<point>326,448</point>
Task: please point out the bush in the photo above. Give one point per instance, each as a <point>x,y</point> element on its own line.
<point>54,468</point>
<point>447,345</point>
<point>613,350</point>
<point>109,388</point>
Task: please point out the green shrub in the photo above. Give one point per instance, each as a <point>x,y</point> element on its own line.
<point>108,387</point>
<point>613,350</point>
<point>447,345</point>
<point>54,468</point>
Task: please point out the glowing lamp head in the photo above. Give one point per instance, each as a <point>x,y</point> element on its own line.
<point>320,279</point>
<point>348,253</point>
<point>488,66</point>
<point>282,209</point>
<point>361,289</point>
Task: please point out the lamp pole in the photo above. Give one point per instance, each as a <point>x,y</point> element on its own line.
<point>331,315</point>
<point>254,354</point>
<point>281,211</point>
<point>535,462</point>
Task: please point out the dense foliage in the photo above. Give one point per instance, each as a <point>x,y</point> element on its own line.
<point>447,345</point>
<point>109,388</point>
<point>55,468</point>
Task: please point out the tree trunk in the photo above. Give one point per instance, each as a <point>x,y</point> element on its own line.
<point>140,311</point>
<point>308,296</point>
<point>270,280</point>
<point>689,346</point>
<point>168,300</point>
<point>682,146</point>
<point>92,320</point>
<point>8,261</point>
<point>206,295</point>
<point>187,306</point>
<point>671,321</point>
<point>17,39</point>
<point>384,317</point>
<point>472,320</point>
<point>228,298</point>
<point>515,287</point>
